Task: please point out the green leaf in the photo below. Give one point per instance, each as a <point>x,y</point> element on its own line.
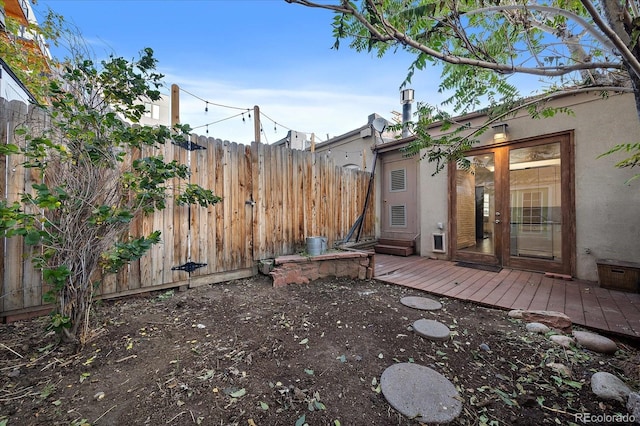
<point>304,341</point>
<point>8,149</point>
<point>264,405</point>
<point>573,384</point>
<point>309,371</point>
<point>301,420</point>
<point>207,375</point>
<point>32,238</point>
<point>319,405</point>
<point>239,393</point>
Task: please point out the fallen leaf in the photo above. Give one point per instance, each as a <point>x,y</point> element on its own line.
<point>239,393</point>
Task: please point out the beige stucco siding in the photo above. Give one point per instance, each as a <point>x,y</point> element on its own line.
<point>607,210</point>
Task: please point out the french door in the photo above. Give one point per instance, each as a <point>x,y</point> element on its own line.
<point>514,205</point>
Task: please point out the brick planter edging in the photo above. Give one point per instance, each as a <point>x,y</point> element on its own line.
<point>296,269</point>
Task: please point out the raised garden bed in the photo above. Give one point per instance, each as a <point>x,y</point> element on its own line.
<point>299,269</point>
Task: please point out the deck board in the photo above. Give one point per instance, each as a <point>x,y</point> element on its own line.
<point>528,294</point>
<point>584,302</point>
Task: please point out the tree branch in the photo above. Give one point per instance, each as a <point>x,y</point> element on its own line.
<point>634,65</point>
<point>392,34</point>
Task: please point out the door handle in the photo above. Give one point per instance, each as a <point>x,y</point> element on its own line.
<point>498,221</point>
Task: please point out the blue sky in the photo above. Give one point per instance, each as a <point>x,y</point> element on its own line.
<point>243,53</point>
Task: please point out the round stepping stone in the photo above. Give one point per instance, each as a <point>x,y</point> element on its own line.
<point>431,329</point>
<point>422,303</point>
<point>420,393</point>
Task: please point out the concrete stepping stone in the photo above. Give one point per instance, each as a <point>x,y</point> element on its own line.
<point>432,329</point>
<point>420,393</point>
<point>422,303</point>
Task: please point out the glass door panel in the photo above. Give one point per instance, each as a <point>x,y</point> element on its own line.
<point>475,206</point>
<point>536,202</point>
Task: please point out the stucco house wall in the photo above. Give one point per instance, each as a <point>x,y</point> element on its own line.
<point>607,210</point>
<point>355,148</point>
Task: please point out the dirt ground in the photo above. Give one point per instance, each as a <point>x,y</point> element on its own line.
<point>244,353</point>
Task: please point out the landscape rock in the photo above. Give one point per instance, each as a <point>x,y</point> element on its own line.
<point>595,342</point>
<point>564,341</point>
<point>537,327</point>
<point>633,405</point>
<point>553,319</point>
<point>420,393</point>
<point>515,313</point>
<point>607,386</point>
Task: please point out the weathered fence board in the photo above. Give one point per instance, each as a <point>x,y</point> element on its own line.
<point>272,199</point>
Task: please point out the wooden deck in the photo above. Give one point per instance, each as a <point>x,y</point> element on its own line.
<point>586,303</point>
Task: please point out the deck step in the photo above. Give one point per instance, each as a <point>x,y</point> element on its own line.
<point>398,243</point>
<point>393,249</point>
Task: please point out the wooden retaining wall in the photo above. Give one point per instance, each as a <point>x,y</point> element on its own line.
<point>273,198</point>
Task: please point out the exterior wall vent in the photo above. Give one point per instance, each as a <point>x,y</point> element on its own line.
<point>398,215</point>
<point>398,180</point>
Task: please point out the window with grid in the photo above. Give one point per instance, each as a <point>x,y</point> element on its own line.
<point>531,211</point>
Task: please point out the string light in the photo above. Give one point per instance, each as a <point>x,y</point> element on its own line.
<point>245,110</point>
<point>215,122</point>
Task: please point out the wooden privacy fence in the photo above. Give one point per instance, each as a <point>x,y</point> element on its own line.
<point>273,198</point>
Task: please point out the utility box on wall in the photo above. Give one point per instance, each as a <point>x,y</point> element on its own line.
<point>619,275</point>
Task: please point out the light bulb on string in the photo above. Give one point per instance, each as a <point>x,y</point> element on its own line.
<point>207,130</point>
<point>206,106</point>
<point>329,153</point>
<point>346,155</point>
<point>275,129</point>
<point>243,118</point>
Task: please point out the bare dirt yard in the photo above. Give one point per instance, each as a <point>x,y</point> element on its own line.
<point>244,353</point>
